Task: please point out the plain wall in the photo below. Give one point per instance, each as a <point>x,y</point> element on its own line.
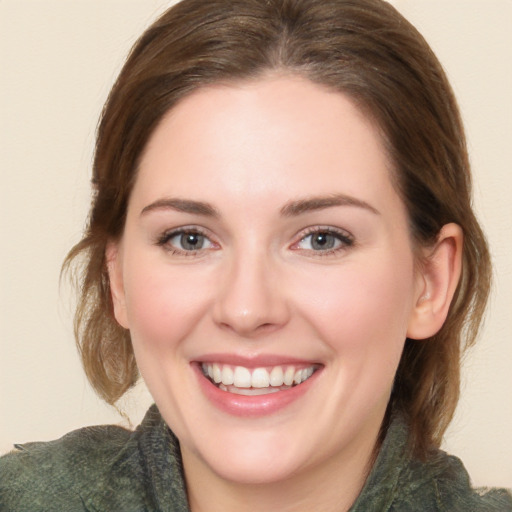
<point>58,59</point>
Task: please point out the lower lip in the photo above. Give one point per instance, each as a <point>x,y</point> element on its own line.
<point>252,406</point>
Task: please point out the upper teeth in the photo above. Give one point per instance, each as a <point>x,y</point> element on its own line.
<point>242,377</point>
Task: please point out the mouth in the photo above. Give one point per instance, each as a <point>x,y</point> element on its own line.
<point>256,381</point>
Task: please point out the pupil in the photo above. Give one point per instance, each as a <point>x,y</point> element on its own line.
<point>323,241</point>
<point>191,241</point>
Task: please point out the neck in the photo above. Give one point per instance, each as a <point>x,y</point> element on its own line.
<point>331,487</point>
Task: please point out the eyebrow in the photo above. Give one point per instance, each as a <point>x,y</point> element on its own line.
<point>290,209</point>
<point>321,202</point>
<point>182,205</point>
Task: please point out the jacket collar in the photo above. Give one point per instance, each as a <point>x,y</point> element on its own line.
<point>150,460</point>
<point>154,451</point>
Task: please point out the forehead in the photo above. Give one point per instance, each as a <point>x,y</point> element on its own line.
<point>273,136</point>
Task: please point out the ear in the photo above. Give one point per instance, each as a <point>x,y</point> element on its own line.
<point>113,254</point>
<point>438,277</point>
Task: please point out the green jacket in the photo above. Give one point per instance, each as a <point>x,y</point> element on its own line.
<point>108,468</point>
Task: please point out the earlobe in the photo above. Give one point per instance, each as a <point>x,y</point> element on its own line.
<point>115,275</point>
<point>439,275</point>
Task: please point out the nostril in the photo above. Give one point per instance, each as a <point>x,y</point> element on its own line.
<point>249,306</point>
<point>250,331</point>
<point>266,327</point>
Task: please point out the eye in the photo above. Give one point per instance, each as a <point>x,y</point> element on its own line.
<point>189,241</point>
<point>324,241</point>
<point>185,241</point>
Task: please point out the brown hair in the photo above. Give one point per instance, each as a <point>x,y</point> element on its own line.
<point>362,48</point>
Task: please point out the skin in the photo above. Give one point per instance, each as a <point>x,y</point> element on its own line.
<point>258,287</point>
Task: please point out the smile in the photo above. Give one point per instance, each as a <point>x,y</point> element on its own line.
<point>257,381</point>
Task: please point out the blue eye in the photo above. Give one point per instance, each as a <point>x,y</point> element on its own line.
<point>323,240</point>
<point>185,241</point>
<point>189,241</point>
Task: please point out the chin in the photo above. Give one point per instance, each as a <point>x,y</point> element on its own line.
<point>261,469</point>
<point>250,457</point>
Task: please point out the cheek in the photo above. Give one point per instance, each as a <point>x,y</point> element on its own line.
<point>362,307</point>
<point>163,304</point>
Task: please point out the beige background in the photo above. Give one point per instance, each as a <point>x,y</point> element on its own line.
<point>58,59</point>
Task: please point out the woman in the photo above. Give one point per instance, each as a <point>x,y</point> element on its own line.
<point>282,243</point>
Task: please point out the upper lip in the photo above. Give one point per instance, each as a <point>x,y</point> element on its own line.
<point>253,361</point>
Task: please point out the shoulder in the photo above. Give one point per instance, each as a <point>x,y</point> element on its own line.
<point>455,491</point>
<point>59,475</point>
<point>97,468</point>
<point>443,483</point>
<point>401,482</point>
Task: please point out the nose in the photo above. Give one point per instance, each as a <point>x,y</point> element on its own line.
<point>251,300</point>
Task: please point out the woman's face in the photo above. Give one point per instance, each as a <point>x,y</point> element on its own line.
<point>266,246</point>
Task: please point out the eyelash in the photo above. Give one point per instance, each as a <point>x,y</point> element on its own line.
<point>164,239</point>
<point>343,237</point>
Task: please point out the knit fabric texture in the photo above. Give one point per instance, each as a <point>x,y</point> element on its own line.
<point>109,468</point>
